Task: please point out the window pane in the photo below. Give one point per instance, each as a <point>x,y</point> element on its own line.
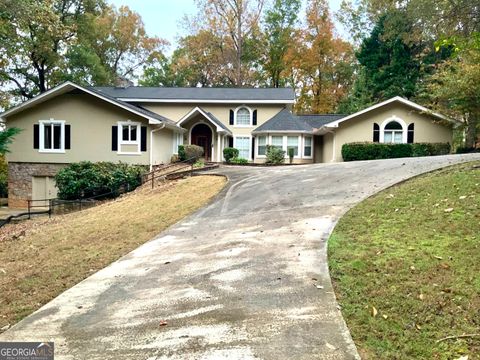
<point>308,141</point>
<point>47,136</point>
<point>57,136</point>
<point>243,146</point>
<point>308,151</point>
<point>262,142</point>
<point>398,137</point>
<point>387,137</point>
<point>292,143</point>
<point>393,125</point>
<point>125,134</point>
<point>243,117</point>
<point>277,141</point>
<point>133,133</point>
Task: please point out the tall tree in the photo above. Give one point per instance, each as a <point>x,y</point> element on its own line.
<point>34,36</point>
<point>321,62</point>
<point>234,23</point>
<point>280,22</point>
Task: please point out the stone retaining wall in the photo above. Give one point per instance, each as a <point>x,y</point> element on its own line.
<point>20,180</point>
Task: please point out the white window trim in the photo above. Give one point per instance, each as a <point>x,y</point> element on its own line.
<point>177,141</point>
<point>311,147</point>
<point>235,117</point>
<point>41,148</point>
<point>257,155</point>
<point>401,122</point>
<point>121,142</point>
<point>299,144</point>
<point>249,144</point>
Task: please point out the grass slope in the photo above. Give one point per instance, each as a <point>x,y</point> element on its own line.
<point>412,255</point>
<point>41,258</point>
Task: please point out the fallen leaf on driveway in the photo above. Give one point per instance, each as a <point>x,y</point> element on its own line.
<point>319,286</point>
<point>163,323</point>
<point>330,346</point>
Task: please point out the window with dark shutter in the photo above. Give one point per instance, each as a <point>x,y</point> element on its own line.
<point>230,142</point>
<point>254,117</point>
<point>232,116</point>
<point>114,138</point>
<point>253,147</point>
<point>410,133</point>
<point>143,138</point>
<point>376,132</point>
<point>36,136</point>
<point>67,137</point>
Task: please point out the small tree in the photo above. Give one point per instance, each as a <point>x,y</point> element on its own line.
<point>274,155</point>
<point>6,138</point>
<point>291,154</point>
<point>181,153</point>
<point>229,154</point>
<point>193,152</point>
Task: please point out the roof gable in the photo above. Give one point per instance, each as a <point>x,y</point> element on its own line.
<point>68,86</point>
<point>207,115</point>
<point>398,99</point>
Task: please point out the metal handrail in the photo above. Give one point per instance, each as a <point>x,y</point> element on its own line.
<point>145,177</point>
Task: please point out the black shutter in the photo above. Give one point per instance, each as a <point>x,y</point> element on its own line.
<point>114,138</point>
<point>410,133</point>
<point>67,137</point>
<point>231,117</point>
<point>253,145</point>
<point>254,117</point>
<point>376,132</point>
<point>230,142</point>
<point>143,137</point>
<point>36,136</point>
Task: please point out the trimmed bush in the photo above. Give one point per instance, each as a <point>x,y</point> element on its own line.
<point>230,153</point>
<point>239,161</point>
<point>181,153</point>
<point>374,151</point>
<point>193,152</point>
<point>87,179</point>
<point>291,154</point>
<point>466,150</point>
<point>274,155</point>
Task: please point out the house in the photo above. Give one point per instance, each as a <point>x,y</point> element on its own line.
<point>145,125</point>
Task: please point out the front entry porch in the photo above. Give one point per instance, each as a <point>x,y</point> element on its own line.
<point>206,131</point>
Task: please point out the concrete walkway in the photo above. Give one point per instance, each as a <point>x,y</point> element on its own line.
<point>244,278</point>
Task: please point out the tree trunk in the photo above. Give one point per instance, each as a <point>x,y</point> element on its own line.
<point>471,132</point>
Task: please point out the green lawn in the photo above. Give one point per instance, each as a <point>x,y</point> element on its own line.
<point>406,268</point>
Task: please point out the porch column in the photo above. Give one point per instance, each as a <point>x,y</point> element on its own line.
<point>219,146</point>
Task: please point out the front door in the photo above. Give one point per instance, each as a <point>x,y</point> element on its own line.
<point>202,136</point>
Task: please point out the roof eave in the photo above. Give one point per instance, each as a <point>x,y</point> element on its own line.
<point>207,101</point>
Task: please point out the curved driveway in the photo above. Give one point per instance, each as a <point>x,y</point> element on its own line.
<point>244,278</point>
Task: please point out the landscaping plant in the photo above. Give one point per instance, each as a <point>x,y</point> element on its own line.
<point>374,151</point>
<point>229,154</point>
<point>193,152</point>
<point>274,155</point>
<point>86,179</point>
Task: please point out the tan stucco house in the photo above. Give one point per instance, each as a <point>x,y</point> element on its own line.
<point>145,125</point>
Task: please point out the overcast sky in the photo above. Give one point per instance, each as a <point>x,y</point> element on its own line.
<point>162,17</point>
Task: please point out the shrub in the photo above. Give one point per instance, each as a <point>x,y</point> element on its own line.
<point>373,151</point>
<point>87,179</point>
<point>174,158</point>
<point>199,164</point>
<point>229,154</point>
<point>239,161</point>
<point>291,154</point>
<point>181,153</point>
<point>466,150</point>
<point>3,177</point>
<point>193,152</point>
<point>274,155</point>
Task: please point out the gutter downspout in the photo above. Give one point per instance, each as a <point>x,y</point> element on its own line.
<point>151,144</point>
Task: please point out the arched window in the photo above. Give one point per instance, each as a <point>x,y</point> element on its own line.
<point>410,134</point>
<point>243,117</point>
<point>393,133</point>
<point>376,132</point>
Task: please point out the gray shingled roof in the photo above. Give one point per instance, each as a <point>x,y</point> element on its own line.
<point>216,121</point>
<point>137,108</point>
<point>169,93</point>
<point>285,121</point>
<point>317,121</point>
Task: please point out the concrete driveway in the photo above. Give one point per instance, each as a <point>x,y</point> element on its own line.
<point>244,278</point>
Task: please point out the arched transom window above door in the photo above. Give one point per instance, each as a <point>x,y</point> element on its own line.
<point>393,131</point>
